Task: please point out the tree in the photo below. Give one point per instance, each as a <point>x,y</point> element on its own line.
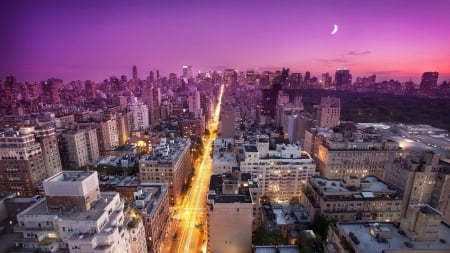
<point>320,225</point>
<point>259,235</point>
<point>274,238</point>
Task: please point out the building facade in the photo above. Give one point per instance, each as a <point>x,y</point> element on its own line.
<point>170,162</point>
<point>75,216</point>
<point>282,172</point>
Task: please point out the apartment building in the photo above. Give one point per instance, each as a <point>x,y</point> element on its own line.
<point>351,152</point>
<point>79,147</point>
<point>75,216</point>
<point>169,162</point>
<point>281,172</point>
<point>27,157</point>
<point>352,198</point>
<point>152,203</point>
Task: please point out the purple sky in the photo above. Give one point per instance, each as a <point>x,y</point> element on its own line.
<point>79,40</point>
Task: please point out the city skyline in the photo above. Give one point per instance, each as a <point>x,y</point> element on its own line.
<point>394,40</point>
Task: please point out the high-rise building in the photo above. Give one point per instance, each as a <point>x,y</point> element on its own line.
<point>342,79</point>
<point>75,216</point>
<point>187,72</point>
<point>27,159</point>
<point>151,200</point>
<point>91,89</point>
<point>151,77</point>
<point>353,153</point>
<point>170,162</point>
<point>282,172</point>
<point>422,179</point>
<point>233,212</point>
<point>79,148</point>
<point>10,87</point>
<point>50,151</point>
<point>194,102</point>
<point>135,73</point>
<point>50,93</point>
<point>140,114</point>
<point>429,80</point>
<point>328,112</point>
<point>326,80</point>
<point>107,133</point>
<point>227,121</point>
<point>352,199</point>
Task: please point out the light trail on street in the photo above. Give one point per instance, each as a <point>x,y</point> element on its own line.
<point>192,227</point>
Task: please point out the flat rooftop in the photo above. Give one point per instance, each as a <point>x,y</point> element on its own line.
<point>277,249</point>
<point>70,176</point>
<point>243,194</point>
<point>369,244</point>
<point>371,188</point>
<point>167,150</point>
<point>97,209</point>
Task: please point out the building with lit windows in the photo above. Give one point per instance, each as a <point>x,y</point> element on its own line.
<point>107,133</point>
<point>27,157</point>
<point>342,79</point>
<point>75,216</point>
<point>282,172</point>
<point>170,162</point>
<point>352,152</point>
<point>151,201</point>
<point>140,114</point>
<point>328,112</point>
<point>422,179</point>
<point>352,198</point>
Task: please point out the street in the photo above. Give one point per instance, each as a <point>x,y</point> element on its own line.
<point>187,232</point>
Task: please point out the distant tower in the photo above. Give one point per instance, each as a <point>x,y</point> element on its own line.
<point>135,73</point>
<point>326,80</point>
<point>151,76</point>
<point>343,79</point>
<point>10,88</point>
<point>328,113</point>
<point>91,89</point>
<point>187,71</point>
<point>429,80</point>
<point>157,75</point>
<point>307,77</point>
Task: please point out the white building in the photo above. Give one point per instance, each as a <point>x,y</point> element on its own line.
<point>282,172</point>
<point>194,102</point>
<point>76,216</point>
<point>140,114</point>
<point>223,161</point>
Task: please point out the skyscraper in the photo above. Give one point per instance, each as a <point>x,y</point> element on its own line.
<point>135,73</point>
<point>429,80</point>
<point>342,79</point>
<point>187,71</point>
<point>151,77</point>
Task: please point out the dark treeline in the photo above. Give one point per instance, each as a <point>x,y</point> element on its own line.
<point>369,107</point>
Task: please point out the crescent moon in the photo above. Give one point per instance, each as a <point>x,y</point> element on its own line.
<point>334,30</point>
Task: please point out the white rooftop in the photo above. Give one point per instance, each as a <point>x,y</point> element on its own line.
<point>368,244</point>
